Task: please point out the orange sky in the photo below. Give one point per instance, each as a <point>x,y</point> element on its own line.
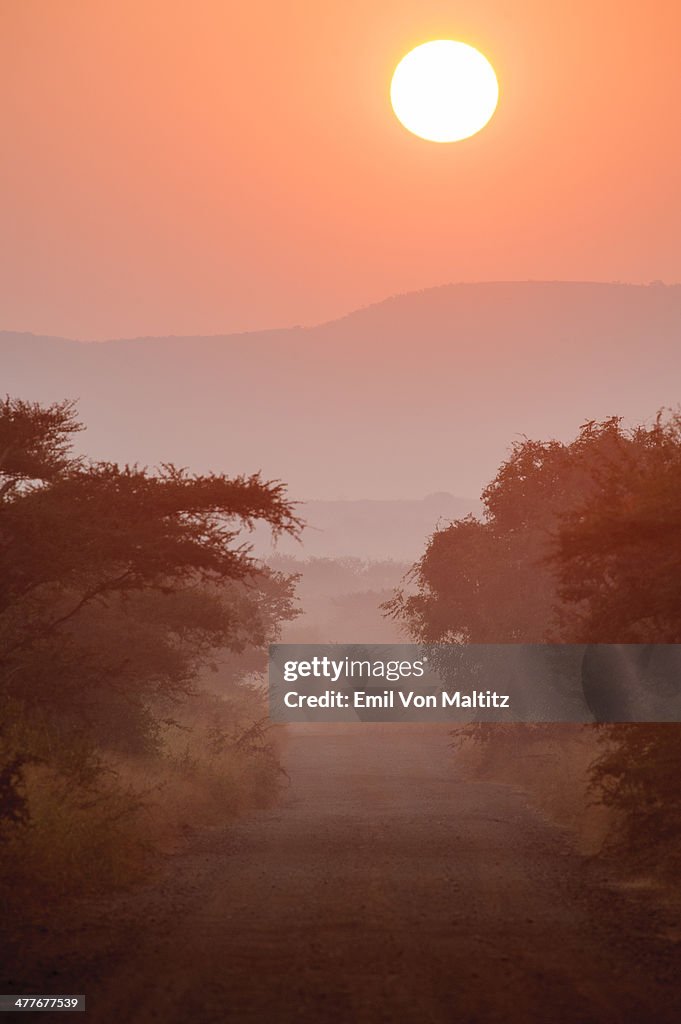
<point>199,166</point>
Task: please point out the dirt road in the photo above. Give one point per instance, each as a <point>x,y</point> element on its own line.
<point>384,888</point>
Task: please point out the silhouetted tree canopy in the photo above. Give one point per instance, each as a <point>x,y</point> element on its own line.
<point>579,543</point>
<point>617,556</point>
<point>117,584</point>
<point>491,580</point>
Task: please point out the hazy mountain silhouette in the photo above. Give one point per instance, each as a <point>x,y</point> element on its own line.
<point>417,394</point>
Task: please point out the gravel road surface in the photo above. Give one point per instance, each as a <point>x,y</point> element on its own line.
<point>384,887</point>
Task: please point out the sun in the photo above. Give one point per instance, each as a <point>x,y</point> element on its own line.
<point>444,91</point>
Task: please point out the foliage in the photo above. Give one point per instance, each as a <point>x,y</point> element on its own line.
<point>637,776</point>
<point>91,553</point>
<point>618,562</point>
<point>122,590</point>
<point>618,556</point>
<point>489,581</point>
<point>581,543</point>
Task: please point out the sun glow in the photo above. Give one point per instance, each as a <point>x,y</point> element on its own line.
<point>444,91</point>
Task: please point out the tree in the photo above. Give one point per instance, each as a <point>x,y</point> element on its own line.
<point>617,557</point>
<point>115,582</point>
<point>618,564</point>
<point>580,543</point>
<point>491,580</point>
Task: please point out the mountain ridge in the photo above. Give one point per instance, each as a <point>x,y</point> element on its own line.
<point>389,300</point>
<point>422,392</point>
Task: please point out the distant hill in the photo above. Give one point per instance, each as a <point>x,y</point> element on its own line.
<point>417,394</point>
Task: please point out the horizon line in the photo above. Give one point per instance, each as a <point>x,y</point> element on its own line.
<point>656,283</point>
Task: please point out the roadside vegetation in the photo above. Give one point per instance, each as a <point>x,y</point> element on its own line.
<point>579,543</point>
<point>133,627</point>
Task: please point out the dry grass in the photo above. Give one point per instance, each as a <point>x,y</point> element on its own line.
<point>109,823</point>
<point>551,764</point>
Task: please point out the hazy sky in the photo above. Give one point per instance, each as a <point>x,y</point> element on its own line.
<point>191,166</point>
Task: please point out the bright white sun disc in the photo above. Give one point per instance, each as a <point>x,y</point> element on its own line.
<point>444,91</point>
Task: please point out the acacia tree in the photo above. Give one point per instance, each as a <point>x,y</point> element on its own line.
<point>114,581</point>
